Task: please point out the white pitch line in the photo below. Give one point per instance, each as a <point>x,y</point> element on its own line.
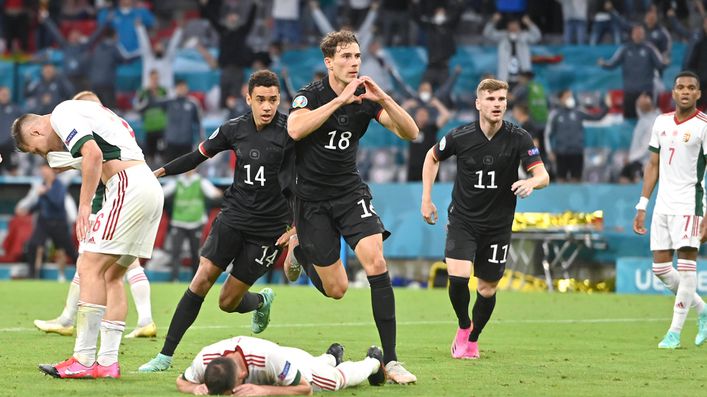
<point>411,323</point>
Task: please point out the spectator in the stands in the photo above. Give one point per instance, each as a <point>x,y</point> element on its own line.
<point>430,117</point>
<point>357,12</point>
<point>439,28</point>
<point>604,24</point>
<point>44,93</point>
<point>52,223</point>
<point>75,50</point>
<point>697,62</point>
<point>564,136</point>
<point>154,118</point>
<point>395,21</point>
<point>16,23</point>
<point>157,56</point>
<point>638,154</point>
<point>574,14</point>
<point>183,123</point>
<point>237,105</point>
<point>513,46</point>
<point>75,10</point>
<point>640,62</point>
<point>107,55</point>
<point>122,18</point>
<point>517,7</point>
<point>286,18</point>
<point>655,33</point>
<point>8,113</point>
<point>364,33</point>
<point>52,10</point>
<point>531,93</point>
<point>234,53</point>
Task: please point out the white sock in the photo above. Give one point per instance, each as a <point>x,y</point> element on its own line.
<point>140,288</point>
<point>671,279</point>
<point>683,298</point>
<point>111,334</point>
<point>68,316</point>
<point>355,372</point>
<point>88,323</point>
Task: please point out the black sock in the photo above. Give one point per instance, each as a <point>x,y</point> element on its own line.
<point>309,269</point>
<point>251,301</point>
<point>481,313</point>
<point>184,316</point>
<point>383,302</point>
<point>460,297</point>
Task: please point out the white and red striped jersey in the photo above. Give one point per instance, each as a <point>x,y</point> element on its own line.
<point>79,121</point>
<point>268,363</point>
<point>682,147</point>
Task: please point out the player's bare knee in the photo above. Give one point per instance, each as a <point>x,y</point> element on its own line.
<point>487,290</point>
<point>376,266</point>
<point>336,291</point>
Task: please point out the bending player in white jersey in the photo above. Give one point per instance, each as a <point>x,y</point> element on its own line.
<point>124,228</point>
<point>247,366</point>
<point>139,284</point>
<point>679,154</point>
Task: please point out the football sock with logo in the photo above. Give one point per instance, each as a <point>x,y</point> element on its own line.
<point>88,324</point>
<point>184,316</point>
<point>251,301</point>
<point>671,279</point>
<point>459,296</point>
<point>111,334</point>
<point>383,302</point>
<point>683,298</point>
<point>480,314</point>
<point>140,289</point>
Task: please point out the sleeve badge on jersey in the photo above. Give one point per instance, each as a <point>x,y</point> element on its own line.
<point>284,372</point>
<point>299,102</point>
<point>213,135</point>
<point>443,143</point>
<point>71,136</point>
<point>534,152</point>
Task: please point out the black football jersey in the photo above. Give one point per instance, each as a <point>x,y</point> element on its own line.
<point>486,169</point>
<point>255,203</point>
<point>326,158</point>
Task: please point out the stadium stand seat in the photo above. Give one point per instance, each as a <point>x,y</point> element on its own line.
<point>124,100</point>
<point>617,101</point>
<point>18,232</point>
<point>665,101</point>
<point>86,27</point>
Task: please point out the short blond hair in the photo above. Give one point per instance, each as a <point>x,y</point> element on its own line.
<point>86,96</point>
<point>491,85</point>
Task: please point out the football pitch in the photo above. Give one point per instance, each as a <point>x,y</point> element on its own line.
<point>536,343</point>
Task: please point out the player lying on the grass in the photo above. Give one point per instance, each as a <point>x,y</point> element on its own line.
<point>251,228</point>
<point>139,284</point>
<point>125,227</point>
<point>247,366</point>
<point>488,153</point>
<point>327,119</point>
<point>678,148</point>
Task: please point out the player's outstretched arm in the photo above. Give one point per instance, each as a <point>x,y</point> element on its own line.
<point>650,178</point>
<point>430,168</point>
<point>539,179</point>
<point>181,164</point>
<point>184,386</point>
<point>248,389</point>
<point>303,122</point>
<point>393,116</point>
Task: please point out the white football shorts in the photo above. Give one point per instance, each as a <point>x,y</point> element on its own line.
<point>127,223</point>
<point>672,232</point>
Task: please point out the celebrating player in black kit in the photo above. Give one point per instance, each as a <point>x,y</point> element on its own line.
<point>252,225</point>
<point>327,119</point>
<point>483,205</point>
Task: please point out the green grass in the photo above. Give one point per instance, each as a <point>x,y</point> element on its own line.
<point>532,346</point>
